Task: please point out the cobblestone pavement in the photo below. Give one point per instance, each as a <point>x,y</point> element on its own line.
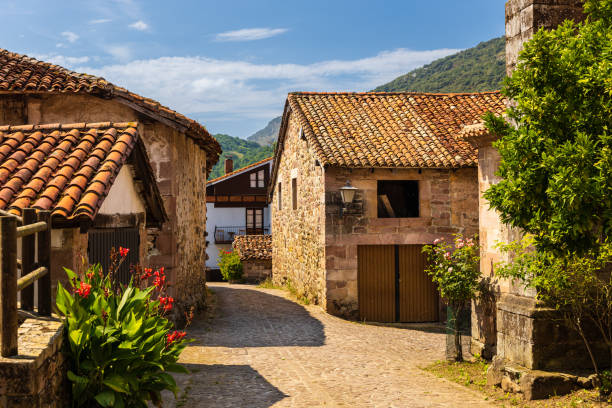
<point>263,350</point>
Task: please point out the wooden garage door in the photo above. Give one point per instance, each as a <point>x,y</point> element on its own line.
<point>101,241</point>
<point>418,297</point>
<point>376,282</point>
<point>393,285</point>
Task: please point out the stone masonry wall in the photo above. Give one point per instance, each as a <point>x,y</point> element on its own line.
<point>256,270</point>
<point>448,205</point>
<point>179,166</point>
<point>298,236</point>
<point>37,376</point>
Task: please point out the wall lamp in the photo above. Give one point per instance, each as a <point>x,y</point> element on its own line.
<point>347,192</point>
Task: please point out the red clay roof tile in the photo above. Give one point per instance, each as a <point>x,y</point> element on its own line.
<point>253,246</point>
<point>20,73</point>
<point>378,129</point>
<point>67,169</point>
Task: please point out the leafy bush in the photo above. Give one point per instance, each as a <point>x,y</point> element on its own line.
<point>454,270</point>
<point>230,265</point>
<point>120,346</point>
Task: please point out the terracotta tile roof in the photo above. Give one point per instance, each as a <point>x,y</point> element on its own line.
<point>67,169</point>
<point>250,166</point>
<point>22,74</point>
<point>388,129</point>
<point>251,247</point>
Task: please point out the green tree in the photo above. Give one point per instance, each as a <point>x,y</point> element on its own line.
<point>556,165</point>
<point>454,270</point>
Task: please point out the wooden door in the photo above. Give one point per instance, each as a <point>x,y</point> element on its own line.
<point>418,297</point>
<point>376,283</point>
<point>101,241</point>
<point>393,285</point>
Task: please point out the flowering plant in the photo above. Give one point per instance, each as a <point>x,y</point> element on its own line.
<point>454,269</point>
<point>120,346</point>
<point>230,265</point>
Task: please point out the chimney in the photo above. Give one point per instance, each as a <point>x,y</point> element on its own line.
<point>229,165</point>
<point>525,17</point>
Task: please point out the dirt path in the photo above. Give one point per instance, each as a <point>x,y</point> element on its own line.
<point>262,350</point>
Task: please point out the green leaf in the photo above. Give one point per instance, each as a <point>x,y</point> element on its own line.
<point>71,275</point>
<point>177,368</point>
<point>77,379</point>
<point>76,337</point>
<point>117,383</point>
<point>106,398</point>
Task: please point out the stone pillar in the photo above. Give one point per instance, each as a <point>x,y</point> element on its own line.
<point>525,17</point>
<point>508,322</point>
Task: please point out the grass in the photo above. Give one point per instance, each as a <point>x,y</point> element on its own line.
<point>288,286</point>
<point>473,374</point>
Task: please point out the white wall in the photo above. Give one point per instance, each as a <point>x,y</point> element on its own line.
<point>224,217</point>
<point>123,197</point>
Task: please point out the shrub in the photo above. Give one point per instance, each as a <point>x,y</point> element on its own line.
<point>454,270</point>
<point>230,265</point>
<point>120,347</point>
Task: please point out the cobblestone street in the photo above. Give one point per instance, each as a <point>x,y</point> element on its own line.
<point>261,350</point>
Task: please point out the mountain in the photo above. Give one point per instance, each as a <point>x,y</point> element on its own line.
<point>243,152</point>
<point>481,68</point>
<point>267,135</point>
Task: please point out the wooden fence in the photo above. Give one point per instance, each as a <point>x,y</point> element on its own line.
<point>34,231</point>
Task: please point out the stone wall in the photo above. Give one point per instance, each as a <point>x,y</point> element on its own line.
<point>509,322</point>
<point>256,270</point>
<point>298,236</point>
<point>37,376</point>
<point>180,169</point>
<point>448,205</point>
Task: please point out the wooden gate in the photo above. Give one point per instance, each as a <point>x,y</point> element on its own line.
<point>393,285</point>
<point>101,241</point>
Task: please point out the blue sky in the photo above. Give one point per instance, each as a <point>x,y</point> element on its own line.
<point>229,64</point>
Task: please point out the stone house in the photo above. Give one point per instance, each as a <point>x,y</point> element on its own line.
<point>236,204</point>
<point>511,324</point>
<point>414,183</point>
<point>255,252</point>
<point>96,181</point>
<point>181,153</point>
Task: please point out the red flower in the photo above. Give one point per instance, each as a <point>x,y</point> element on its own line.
<point>90,275</point>
<point>159,282</point>
<point>84,290</point>
<point>123,251</point>
<point>175,336</point>
<point>166,303</point>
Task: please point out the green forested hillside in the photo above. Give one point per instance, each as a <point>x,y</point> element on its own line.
<point>242,151</point>
<point>481,68</point>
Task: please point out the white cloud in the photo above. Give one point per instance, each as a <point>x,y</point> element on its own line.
<point>62,60</point>
<point>139,25</point>
<point>70,36</point>
<point>120,52</point>
<point>100,21</point>
<point>213,88</point>
<point>250,34</point>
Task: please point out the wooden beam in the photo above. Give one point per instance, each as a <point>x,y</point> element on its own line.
<point>28,254</point>
<point>44,260</point>
<point>26,281</point>
<point>387,204</point>
<point>31,229</point>
<point>8,286</point>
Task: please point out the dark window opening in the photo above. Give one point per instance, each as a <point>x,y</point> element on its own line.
<point>254,221</point>
<point>294,193</point>
<point>398,199</point>
<point>280,196</point>
<point>258,179</point>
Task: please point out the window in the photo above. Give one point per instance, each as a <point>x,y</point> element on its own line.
<point>254,221</point>
<point>280,196</point>
<point>294,193</point>
<point>258,179</point>
<point>398,199</point>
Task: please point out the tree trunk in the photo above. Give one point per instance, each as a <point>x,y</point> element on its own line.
<point>458,348</point>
